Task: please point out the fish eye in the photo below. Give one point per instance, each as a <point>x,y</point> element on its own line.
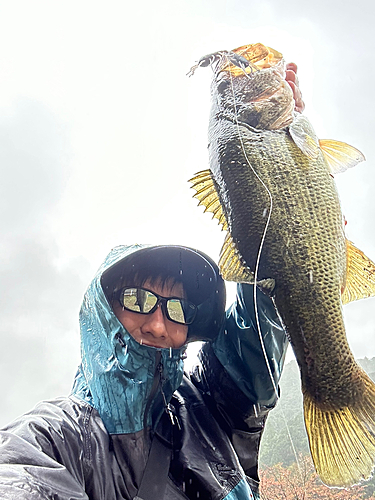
<point>222,86</point>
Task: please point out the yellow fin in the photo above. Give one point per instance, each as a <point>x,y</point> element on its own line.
<point>304,136</point>
<point>339,155</point>
<point>231,264</point>
<point>207,195</point>
<point>267,286</point>
<point>342,440</point>
<point>360,275</point>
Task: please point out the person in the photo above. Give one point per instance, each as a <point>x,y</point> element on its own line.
<point>135,426</point>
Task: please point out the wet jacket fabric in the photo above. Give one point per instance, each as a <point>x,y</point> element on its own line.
<point>94,444</point>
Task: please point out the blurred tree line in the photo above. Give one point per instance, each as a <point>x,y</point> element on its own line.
<point>287,471</point>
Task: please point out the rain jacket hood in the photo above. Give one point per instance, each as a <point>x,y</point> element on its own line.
<point>128,383</point>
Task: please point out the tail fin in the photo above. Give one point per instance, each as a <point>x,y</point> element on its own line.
<point>342,440</point>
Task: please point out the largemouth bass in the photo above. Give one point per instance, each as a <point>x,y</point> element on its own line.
<point>270,184</point>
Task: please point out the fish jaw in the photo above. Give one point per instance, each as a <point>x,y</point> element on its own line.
<point>261,99</point>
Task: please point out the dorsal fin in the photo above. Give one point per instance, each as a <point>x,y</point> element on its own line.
<point>231,263</point>
<point>207,195</point>
<point>360,275</point>
<point>339,155</point>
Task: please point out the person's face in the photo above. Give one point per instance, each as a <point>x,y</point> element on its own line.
<point>154,329</point>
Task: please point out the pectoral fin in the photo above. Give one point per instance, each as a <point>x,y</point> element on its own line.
<point>360,275</point>
<point>339,155</point>
<point>304,136</point>
<point>267,286</point>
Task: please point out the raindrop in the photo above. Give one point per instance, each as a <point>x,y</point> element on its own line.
<point>181,271</point>
<point>183,486</point>
<point>311,276</point>
<point>141,342</point>
<point>264,212</point>
<point>170,352</point>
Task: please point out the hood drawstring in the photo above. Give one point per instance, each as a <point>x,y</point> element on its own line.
<point>169,408</point>
<point>158,384</point>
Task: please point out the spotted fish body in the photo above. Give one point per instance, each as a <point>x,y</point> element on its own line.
<point>270,184</point>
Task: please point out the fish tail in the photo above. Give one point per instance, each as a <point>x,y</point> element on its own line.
<point>342,440</point>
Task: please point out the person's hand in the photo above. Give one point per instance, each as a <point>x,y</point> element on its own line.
<point>292,80</point>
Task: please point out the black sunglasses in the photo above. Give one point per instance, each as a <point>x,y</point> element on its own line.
<point>143,301</point>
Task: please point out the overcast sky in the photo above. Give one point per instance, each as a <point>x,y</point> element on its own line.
<point>100,129</point>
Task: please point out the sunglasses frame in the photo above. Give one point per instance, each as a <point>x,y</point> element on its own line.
<point>160,300</point>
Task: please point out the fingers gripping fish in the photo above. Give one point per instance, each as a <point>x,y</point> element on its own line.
<point>270,185</point>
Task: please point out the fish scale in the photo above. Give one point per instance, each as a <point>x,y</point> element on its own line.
<point>260,149</point>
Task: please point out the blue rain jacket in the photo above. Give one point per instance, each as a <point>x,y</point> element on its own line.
<point>93,444</point>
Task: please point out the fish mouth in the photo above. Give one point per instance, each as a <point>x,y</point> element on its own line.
<point>259,57</point>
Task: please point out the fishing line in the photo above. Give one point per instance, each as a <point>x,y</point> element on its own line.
<point>257,269</point>
<point>256,275</point>
<point>261,241</point>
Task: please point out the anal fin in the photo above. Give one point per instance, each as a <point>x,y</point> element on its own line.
<point>360,275</point>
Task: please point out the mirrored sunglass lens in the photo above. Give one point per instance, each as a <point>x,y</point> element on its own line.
<point>181,311</point>
<point>175,310</point>
<point>138,300</point>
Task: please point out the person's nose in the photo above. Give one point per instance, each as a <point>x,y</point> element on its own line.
<point>155,324</point>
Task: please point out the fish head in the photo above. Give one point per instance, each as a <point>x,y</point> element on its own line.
<point>249,86</point>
